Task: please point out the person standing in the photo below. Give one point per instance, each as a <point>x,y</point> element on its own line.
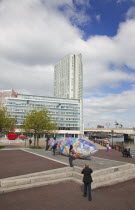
<point>71,155</point>
<point>54,148</point>
<point>87,179</point>
<point>47,140</point>
<point>30,142</point>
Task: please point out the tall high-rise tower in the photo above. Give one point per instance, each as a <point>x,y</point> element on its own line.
<point>68,77</point>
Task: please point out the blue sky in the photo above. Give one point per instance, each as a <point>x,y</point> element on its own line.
<point>110,14</point>
<point>105,16</point>
<point>35,34</point>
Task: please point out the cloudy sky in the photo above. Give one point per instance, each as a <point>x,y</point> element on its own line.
<point>35,34</point>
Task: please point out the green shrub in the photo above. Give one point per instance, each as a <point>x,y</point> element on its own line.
<point>35,147</point>
<point>2,147</point>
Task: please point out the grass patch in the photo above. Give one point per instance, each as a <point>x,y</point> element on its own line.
<point>2,147</point>
<point>35,147</point>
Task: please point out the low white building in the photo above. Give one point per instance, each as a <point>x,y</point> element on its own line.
<point>67,113</point>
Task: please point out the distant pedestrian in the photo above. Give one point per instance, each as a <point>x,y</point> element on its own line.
<point>30,142</point>
<point>47,142</point>
<point>54,148</point>
<point>107,147</point>
<point>87,179</point>
<point>71,155</point>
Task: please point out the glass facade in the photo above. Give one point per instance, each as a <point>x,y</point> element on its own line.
<point>65,112</point>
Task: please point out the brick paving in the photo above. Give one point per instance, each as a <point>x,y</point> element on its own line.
<point>113,155</point>
<point>17,162</point>
<point>65,195</point>
<point>68,195</point>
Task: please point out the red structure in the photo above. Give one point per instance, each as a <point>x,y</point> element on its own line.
<point>22,137</point>
<point>100,126</point>
<point>12,136</point>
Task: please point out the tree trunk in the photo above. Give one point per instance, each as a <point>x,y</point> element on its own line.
<point>37,141</point>
<point>34,140</point>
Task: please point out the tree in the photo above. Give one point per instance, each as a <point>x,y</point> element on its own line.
<point>112,131</point>
<point>116,124</point>
<point>38,122</point>
<point>7,122</point>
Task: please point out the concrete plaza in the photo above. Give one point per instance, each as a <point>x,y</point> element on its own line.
<point>66,194</point>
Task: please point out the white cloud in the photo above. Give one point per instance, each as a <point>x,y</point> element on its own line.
<point>85,3</point>
<point>121,1</point>
<point>131,13</point>
<point>76,15</point>
<point>27,79</point>
<point>35,34</point>
<point>110,108</point>
<point>98,18</point>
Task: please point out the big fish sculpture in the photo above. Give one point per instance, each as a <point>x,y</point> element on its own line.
<point>83,148</point>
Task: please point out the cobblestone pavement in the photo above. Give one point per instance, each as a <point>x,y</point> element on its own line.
<point>95,162</point>
<point>17,162</point>
<point>68,195</point>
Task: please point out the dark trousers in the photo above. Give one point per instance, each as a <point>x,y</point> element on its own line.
<point>54,151</point>
<point>71,161</point>
<point>87,189</point>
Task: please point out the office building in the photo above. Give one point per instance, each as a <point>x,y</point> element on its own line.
<point>68,77</point>
<point>65,112</point>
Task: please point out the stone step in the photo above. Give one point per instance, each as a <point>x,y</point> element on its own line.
<point>41,173</point>
<point>106,176</point>
<point>77,175</point>
<point>34,179</point>
<point>38,184</point>
<point>101,178</point>
<point>102,183</point>
<point>79,181</point>
<point>124,167</point>
<point>112,181</point>
<point>129,168</point>
<point>107,179</point>
<point>112,176</point>
<point>108,170</point>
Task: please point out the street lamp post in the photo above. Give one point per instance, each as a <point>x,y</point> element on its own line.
<point>112,138</point>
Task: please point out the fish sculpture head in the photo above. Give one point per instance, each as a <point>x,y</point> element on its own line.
<point>86,148</point>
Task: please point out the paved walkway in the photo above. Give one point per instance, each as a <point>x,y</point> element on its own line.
<point>95,163</point>
<point>68,195</point>
<point>18,162</point>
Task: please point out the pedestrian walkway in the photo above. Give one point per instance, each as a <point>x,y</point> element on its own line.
<point>95,162</point>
